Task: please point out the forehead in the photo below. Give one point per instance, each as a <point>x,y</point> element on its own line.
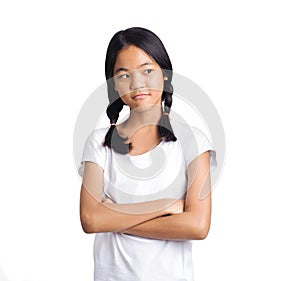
<point>132,58</point>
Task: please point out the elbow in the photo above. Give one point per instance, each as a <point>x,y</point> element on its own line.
<point>200,230</point>
<point>87,223</point>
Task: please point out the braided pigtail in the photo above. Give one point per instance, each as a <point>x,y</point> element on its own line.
<point>164,125</point>
<point>112,138</point>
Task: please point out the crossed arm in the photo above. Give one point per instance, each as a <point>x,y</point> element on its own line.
<point>166,219</point>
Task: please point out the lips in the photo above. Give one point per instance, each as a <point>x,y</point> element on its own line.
<point>140,95</point>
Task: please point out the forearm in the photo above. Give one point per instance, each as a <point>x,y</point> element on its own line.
<point>109,220</point>
<point>184,226</point>
<point>143,208</point>
<point>98,217</point>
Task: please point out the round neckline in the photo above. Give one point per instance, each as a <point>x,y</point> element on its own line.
<point>147,152</point>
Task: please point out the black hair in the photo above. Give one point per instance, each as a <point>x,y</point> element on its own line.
<point>153,46</point>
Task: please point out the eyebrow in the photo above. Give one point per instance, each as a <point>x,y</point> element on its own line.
<point>125,69</point>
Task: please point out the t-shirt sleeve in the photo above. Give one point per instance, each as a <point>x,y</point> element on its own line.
<point>94,150</point>
<point>196,143</point>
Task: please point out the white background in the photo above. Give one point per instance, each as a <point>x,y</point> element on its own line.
<point>243,54</point>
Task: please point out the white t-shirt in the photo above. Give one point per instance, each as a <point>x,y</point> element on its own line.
<point>158,173</point>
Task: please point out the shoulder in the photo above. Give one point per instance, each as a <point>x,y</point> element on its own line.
<point>185,131</point>
<point>94,140</point>
<point>193,141</point>
<point>98,135</point>
<point>101,131</point>
<point>94,151</point>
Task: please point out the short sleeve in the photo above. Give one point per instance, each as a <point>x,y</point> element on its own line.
<point>94,150</point>
<point>196,143</point>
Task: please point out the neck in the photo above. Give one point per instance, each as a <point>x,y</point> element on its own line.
<point>140,118</point>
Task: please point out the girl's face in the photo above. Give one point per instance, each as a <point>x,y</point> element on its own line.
<point>138,78</point>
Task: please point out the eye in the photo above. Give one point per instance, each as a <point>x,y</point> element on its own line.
<point>148,71</point>
<point>123,76</point>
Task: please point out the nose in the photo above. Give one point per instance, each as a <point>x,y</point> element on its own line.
<point>137,81</point>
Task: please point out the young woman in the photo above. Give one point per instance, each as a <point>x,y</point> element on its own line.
<point>146,182</point>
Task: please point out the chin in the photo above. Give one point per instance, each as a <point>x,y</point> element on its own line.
<point>144,107</point>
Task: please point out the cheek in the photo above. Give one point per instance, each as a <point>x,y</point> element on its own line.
<point>156,83</point>
<point>122,88</point>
